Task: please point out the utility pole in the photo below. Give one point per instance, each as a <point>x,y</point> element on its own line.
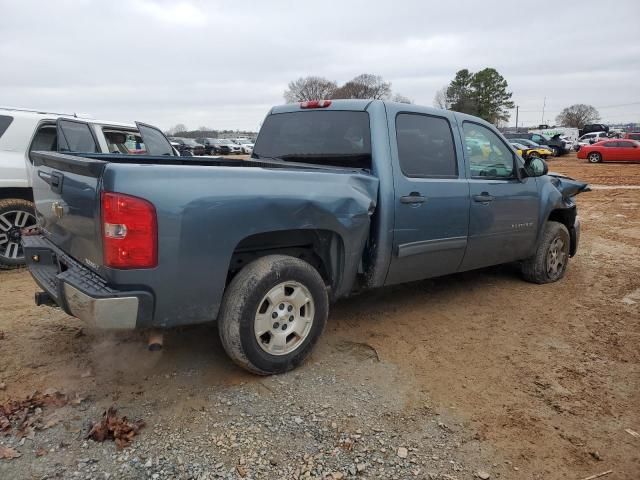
<point>544,104</point>
<point>517,108</point>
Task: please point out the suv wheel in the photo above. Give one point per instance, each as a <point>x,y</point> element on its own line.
<point>594,157</point>
<point>555,151</point>
<point>272,314</point>
<point>550,261</point>
<point>15,214</point>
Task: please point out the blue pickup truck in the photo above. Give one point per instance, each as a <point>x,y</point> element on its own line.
<point>338,197</point>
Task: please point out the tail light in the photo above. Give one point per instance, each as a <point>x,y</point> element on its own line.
<point>129,231</point>
<point>315,104</point>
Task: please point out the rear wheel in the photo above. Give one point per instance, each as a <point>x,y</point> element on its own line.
<point>550,261</point>
<point>272,314</point>
<point>555,151</point>
<point>594,157</point>
<point>15,214</point>
<point>534,155</point>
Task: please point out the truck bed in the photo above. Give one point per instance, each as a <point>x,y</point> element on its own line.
<point>210,212</point>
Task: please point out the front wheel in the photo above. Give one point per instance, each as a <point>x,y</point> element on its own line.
<point>594,157</point>
<point>555,151</point>
<point>15,214</point>
<point>550,261</point>
<point>272,314</point>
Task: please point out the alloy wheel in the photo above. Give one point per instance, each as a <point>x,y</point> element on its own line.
<point>284,318</point>
<point>11,225</point>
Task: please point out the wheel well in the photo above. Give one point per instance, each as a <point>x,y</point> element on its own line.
<point>16,192</point>
<point>323,249</point>
<point>566,216</point>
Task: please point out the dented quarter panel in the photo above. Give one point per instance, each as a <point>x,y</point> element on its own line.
<point>199,227</point>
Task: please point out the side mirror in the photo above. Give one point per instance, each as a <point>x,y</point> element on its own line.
<point>536,167</point>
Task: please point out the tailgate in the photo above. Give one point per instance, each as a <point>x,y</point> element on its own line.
<point>66,191</point>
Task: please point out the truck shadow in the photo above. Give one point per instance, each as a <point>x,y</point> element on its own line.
<point>197,350</point>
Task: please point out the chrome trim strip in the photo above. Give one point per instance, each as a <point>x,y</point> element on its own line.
<point>430,246</point>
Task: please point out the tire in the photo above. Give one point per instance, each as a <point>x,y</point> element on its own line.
<point>550,261</point>
<point>15,214</point>
<point>253,303</point>
<point>534,155</point>
<point>555,151</point>
<point>594,157</point>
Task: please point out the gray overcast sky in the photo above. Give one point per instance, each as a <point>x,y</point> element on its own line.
<point>224,63</point>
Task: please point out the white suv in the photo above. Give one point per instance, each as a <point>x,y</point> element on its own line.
<point>24,131</point>
<point>590,139</point>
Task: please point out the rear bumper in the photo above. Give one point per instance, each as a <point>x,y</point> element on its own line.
<point>81,292</point>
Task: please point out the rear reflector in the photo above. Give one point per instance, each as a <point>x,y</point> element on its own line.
<point>129,232</point>
<point>315,104</point>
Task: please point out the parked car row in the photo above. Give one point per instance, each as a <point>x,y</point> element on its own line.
<point>212,146</point>
<point>558,144</point>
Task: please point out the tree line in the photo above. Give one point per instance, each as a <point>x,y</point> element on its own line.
<point>365,86</point>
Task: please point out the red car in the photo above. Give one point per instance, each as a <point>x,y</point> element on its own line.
<point>611,151</point>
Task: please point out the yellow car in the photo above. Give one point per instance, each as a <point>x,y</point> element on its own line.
<point>526,151</point>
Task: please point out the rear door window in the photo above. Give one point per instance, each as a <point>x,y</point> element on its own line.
<point>425,146</point>
<point>75,136</point>
<point>5,121</point>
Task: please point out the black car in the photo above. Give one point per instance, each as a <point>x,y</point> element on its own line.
<point>593,127</point>
<point>555,143</point>
<point>189,145</point>
<point>212,146</point>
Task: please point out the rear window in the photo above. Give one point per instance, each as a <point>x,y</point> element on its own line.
<point>337,138</point>
<point>5,121</point>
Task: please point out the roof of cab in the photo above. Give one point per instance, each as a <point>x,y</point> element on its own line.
<point>351,104</point>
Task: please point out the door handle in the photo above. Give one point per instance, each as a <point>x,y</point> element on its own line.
<point>484,197</point>
<point>412,198</point>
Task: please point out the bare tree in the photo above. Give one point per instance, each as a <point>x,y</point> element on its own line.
<point>577,116</point>
<point>309,88</point>
<point>401,98</point>
<point>366,86</point>
<point>440,99</point>
<point>179,128</point>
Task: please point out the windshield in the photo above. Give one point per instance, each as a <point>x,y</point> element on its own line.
<point>339,138</point>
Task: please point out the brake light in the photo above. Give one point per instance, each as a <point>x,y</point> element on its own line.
<point>315,104</point>
<point>129,231</point>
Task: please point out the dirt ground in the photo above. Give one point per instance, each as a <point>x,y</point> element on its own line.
<point>539,381</point>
